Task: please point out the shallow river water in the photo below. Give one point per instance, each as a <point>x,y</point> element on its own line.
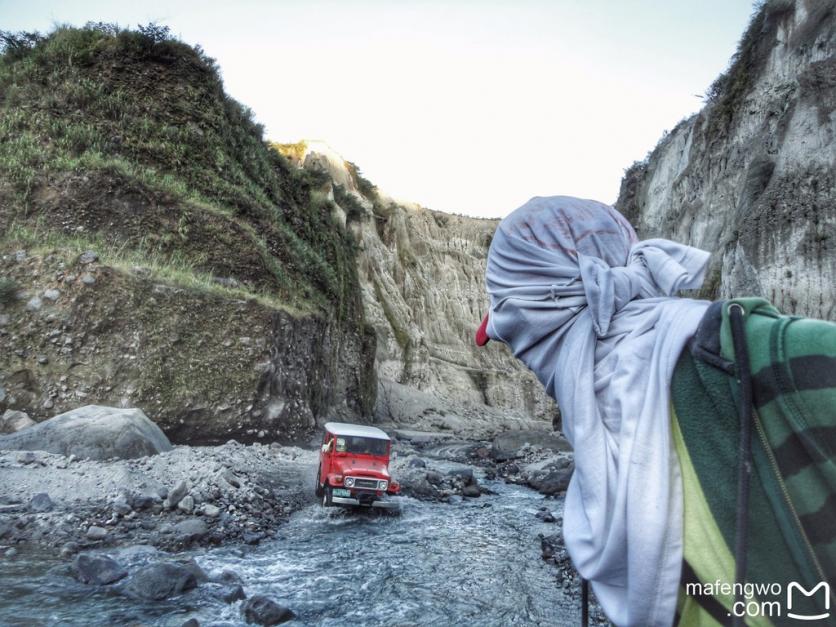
<point>472,563</point>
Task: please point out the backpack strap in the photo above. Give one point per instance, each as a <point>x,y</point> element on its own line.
<point>744,466</point>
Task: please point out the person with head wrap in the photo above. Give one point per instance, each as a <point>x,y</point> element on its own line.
<point>592,311</point>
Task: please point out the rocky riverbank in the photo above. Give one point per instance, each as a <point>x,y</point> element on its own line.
<point>183,497</point>
<point>122,510</point>
<point>94,487</point>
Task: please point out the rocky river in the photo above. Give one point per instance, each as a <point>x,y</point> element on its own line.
<point>233,534</point>
<point>473,561</point>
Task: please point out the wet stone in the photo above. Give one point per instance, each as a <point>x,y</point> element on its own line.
<point>262,610</point>
<point>97,569</point>
<point>160,580</point>
<point>231,594</point>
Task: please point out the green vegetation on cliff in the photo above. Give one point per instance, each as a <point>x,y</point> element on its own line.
<point>125,139</point>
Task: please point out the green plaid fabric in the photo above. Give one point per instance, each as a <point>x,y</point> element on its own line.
<point>792,534</point>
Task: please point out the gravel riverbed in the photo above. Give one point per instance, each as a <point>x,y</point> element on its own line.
<point>205,510</point>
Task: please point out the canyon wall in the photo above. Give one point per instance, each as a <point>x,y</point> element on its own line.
<point>752,177</point>
<point>422,277</point>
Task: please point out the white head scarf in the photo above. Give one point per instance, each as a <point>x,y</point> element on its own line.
<point>587,307</point>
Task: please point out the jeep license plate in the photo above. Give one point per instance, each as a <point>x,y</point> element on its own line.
<point>341,492</point>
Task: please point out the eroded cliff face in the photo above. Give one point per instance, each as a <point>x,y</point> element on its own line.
<point>752,177</point>
<point>156,252</point>
<point>422,278</point>
<point>207,366</point>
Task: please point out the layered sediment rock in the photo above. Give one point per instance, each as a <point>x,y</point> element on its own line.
<point>422,277</point>
<point>752,177</point>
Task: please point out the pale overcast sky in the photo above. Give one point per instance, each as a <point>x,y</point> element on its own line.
<point>468,106</point>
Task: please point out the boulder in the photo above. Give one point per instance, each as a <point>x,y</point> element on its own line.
<point>545,515</point>
<point>92,431</point>
<point>507,445</point>
<point>142,501</point>
<point>226,577</point>
<point>549,545</point>
<point>121,506</point>
<point>464,474</point>
<point>231,594</point>
<point>159,581</point>
<point>262,610</point>
<point>96,533</point>
<point>177,494</point>
<point>210,511</point>
<point>41,503</point>
<point>471,490</point>
<point>433,477</point>
<point>550,476</point>
<point>194,568</point>
<point>191,529</point>
<point>13,421</point>
<point>97,569</point>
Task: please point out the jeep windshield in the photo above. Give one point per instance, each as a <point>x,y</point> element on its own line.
<point>362,446</point>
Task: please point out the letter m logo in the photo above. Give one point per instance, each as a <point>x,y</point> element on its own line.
<point>793,586</point>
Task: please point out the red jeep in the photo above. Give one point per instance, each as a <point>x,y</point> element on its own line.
<point>354,467</point>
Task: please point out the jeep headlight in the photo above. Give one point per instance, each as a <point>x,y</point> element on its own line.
<point>349,482</point>
<point>382,485</point>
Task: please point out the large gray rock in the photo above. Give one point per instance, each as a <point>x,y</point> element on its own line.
<point>262,610</point>
<point>93,431</point>
<point>550,476</point>
<point>508,445</point>
<point>97,569</point>
<point>13,421</point>
<point>190,529</point>
<point>41,503</point>
<point>159,581</point>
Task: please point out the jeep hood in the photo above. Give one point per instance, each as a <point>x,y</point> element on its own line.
<point>360,467</point>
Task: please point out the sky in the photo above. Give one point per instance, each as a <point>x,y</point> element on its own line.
<point>465,106</point>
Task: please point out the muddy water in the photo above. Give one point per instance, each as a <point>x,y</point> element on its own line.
<point>474,562</point>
